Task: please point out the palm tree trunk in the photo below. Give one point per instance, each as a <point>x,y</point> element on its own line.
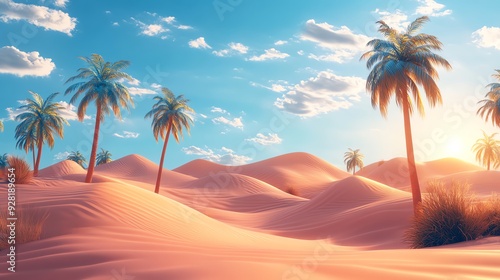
<point>33,154</point>
<point>489,163</point>
<point>37,162</point>
<point>354,170</point>
<point>160,169</point>
<point>415,188</point>
<point>93,153</point>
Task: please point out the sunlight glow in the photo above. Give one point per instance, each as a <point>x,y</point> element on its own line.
<point>455,147</point>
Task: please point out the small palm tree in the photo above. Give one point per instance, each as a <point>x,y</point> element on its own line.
<point>26,141</point>
<point>4,161</point>
<point>1,126</point>
<point>399,65</point>
<point>487,150</point>
<point>170,115</point>
<point>41,118</point>
<point>491,105</point>
<point>353,158</point>
<point>102,85</point>
<point>103,157</point>
<point>78,158</point>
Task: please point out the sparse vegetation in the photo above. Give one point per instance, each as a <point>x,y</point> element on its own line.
<point>29,225</point>
<point>22,169</point>
<point>450,215</point>
<point>353,158</point>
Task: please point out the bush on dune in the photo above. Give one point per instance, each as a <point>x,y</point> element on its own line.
<point>490,214</point>
<point>22,170</point>
<point>29,225</point>
<point>447,215</point>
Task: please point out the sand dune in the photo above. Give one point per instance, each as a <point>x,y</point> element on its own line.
<point>305,173</point>
<point>214,222</point>
<point>394,172</point>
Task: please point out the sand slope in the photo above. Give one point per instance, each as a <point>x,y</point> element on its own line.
<point>208,224</point>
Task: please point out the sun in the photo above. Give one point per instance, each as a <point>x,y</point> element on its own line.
<point>455,147</point>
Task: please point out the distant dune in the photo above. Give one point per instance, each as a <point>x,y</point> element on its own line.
<point>294,216</point>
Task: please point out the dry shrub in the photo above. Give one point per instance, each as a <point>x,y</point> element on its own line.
<point>28,226</point>
<point>22,170</point>
<point>447,215</point>
<point>489,212</point>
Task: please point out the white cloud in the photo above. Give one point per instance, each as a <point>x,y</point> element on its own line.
<point>151,30</point>
<point>61,156</point>
<point>300,52</point>
<point>127,134</point>
<point>224,155</point>
<point>19,63</point>
<point>61,3</point>
<point>269,54</point>
<point>140,91</point>
<point>321,94</point>
<point>266,140</point>
<point>342,43</point>
<point>203,116</point>
<point>280,42</point>
<point>431,8</point>
<point>116,24</point>
<point>41,16</point>
<point>133,82</point>
<point>217,110</point>
<point>199,44</point>
<point>235,122</point>
<point>234,48</point>
<point>487,37</point>
<point>169,20</point>
<point>156,86</point>
<point>397,19</point>
<point>184,27</point>
<point>69,111</point>
<point>273,87</point>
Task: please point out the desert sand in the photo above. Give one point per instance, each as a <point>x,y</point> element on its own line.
<point>218,222</point>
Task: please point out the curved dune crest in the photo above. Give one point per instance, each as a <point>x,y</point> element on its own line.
<point>60,169</point>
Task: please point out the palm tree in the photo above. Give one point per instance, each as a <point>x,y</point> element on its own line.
<point>3,161</point>
<point>78,158</point>
<point>102,85</point>
<point>400,64</point>
<point>170,115</point>
<point>487,150</point>
<point>103,157</point>
<point>491,105</point>
<point>353,158</point>
<point>1,126</point>
<point>41,118</point>
<point>26,141</point>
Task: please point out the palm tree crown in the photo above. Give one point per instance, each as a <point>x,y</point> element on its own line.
<point>399,65</point>
<point>491,105</point>
<point>26,141</point>
<point>40,121</point>
<point>353,158</point>
<point>487,150</point>
<point>104,156</point>
<point>102,85</point>
<point>170,115</point>
<point>78,158</point>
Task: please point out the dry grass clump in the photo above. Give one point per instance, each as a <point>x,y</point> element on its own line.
<point>28,226</point>
<point>22,170</point>
<point>447,215</point>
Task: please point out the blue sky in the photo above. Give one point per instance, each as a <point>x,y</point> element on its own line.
<point>264,77</point>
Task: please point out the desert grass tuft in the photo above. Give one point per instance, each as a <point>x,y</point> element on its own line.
<point>29,226</point>
<point>447,215</point>
<point>22,170</point>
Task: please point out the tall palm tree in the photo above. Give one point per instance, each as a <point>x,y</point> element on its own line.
<point>104,156</point>
<point>491,105</point>
<point>399,65</point>
<point>101,84</point>
<point>487,150</point>
<point>353,158</point>
<point>78,158</point>
<point>26,141</point>
<point>41,118</point>
<point>170,115</point>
